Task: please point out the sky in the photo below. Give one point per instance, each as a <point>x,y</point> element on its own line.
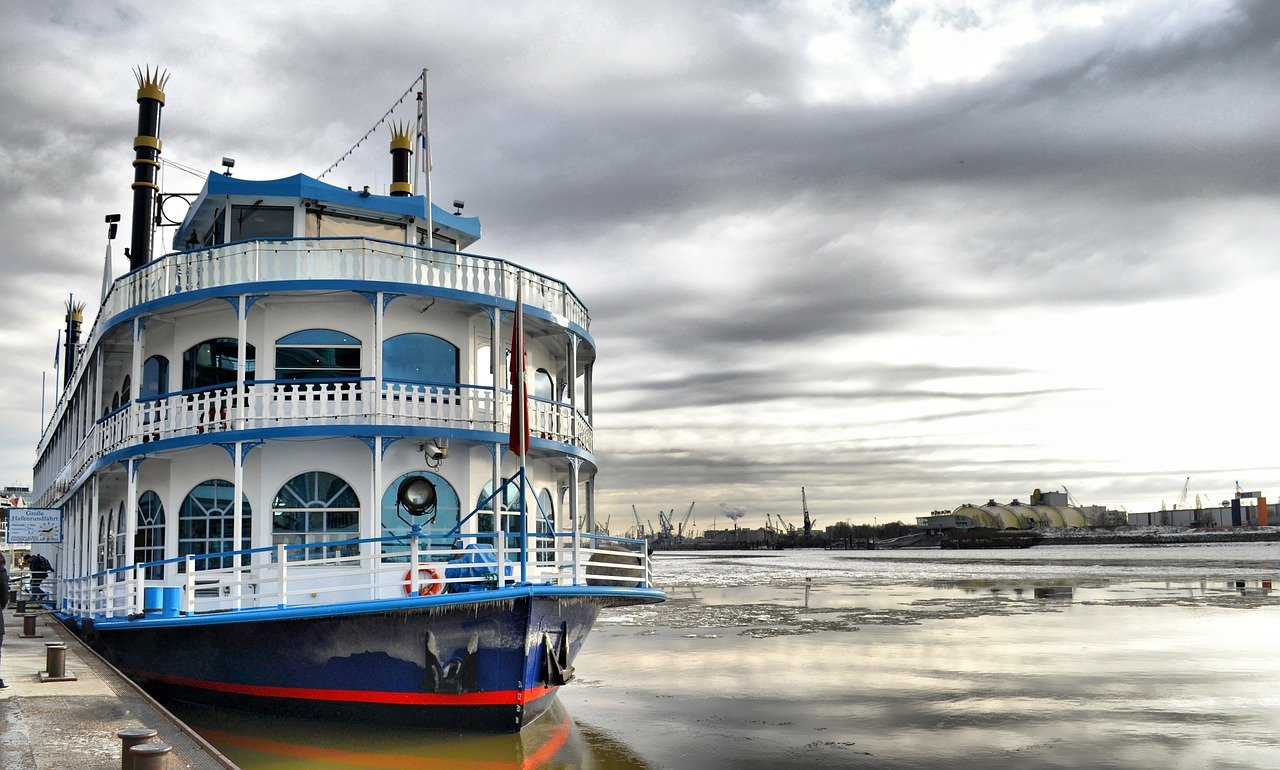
<point>906,254</point>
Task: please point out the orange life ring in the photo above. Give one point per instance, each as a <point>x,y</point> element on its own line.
<point>214,415</point>
<point>424,588</point>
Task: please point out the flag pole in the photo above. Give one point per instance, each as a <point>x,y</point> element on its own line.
<point>424,162</point>
<point>520,422</point>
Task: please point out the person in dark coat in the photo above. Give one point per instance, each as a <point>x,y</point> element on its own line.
<point>4,602</point>
<point>40,569</point>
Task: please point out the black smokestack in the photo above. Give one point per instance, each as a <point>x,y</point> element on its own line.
<point>75,316</point>
<point>401,150</point>
<point>146,162</point>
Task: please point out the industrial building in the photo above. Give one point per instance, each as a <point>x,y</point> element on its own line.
<point>1054,509</point>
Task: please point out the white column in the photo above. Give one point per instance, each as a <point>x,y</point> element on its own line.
<point>95,533</point>
<point>495,365</point>
<point>237,505</point>
<point>591,505</point>
<point>377,352</point>
<point>573,372</point>
<point>242,327</point>
<point>573,491</point>
<point>130,512</point>
<point>135,380</point>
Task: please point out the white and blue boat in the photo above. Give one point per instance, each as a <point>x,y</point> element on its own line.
<point>297,473</point>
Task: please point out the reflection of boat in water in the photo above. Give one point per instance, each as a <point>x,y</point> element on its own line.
<point>291,479</point>
<point>555,740</point>
<point>984,537</point>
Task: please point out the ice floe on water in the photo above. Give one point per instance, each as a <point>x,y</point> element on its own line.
<point>770,594</point>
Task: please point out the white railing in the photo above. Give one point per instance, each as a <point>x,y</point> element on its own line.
<point>348,571</point>
<point>271,404</point>
<point>339,259</point>
<point>225,267</point>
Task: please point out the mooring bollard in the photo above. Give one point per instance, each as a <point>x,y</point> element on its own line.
<point>130,738</point>
<point>28,625</point>
<point>149,756</point>
<point>55,659</point>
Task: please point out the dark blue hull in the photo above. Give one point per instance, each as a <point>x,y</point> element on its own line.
<point>492,664</point>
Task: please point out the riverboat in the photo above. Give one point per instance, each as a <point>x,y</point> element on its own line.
<point>299,468</point>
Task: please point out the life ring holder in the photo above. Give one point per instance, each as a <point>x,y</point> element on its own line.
<point>214,415</point>
<point>425,573</point>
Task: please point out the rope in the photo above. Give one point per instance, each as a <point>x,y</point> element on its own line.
<point>375,127</point>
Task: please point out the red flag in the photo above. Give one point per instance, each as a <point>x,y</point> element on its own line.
<point>519,393</point>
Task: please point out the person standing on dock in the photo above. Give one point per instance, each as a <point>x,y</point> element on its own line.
<point>40,569</point>
<point>4,602</point>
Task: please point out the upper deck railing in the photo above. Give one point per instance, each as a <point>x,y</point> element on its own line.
<point>304,259</point>
<point>352,259</point>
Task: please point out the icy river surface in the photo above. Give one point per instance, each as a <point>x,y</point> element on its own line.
<point>1102,656</point>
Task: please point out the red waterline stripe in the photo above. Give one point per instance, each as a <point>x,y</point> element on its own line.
<point>491,698</point>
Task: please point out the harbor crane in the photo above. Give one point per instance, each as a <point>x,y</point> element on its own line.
<point>639,524</point>
<point>684,524</point>
<point>808,523</point>
<point>1182,498</point>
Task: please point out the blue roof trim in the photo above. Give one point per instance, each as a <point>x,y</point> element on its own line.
<point>258,615</point>
<point>303,186</point>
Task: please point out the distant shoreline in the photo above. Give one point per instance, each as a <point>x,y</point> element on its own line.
<point>1179,537</point>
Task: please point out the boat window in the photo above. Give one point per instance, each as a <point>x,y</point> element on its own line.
<point>448,509</point>
<point>214,362</point>
<point>258,221</point>
<point>148,543</point>
<point>543,385</point>
<point>440,241</point>
<point>317,354</point>
<point>155,377</point>
<point>206,524</point>
<point>326,224</point>
<point>509,504</point>
<point>316,507</point>
<point>419,358</point>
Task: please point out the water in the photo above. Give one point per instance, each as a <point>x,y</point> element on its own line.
<point>1064,656</point>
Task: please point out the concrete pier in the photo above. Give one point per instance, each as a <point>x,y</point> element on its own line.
<point>60,725</point>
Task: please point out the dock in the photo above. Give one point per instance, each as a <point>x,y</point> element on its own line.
<point>48,724</point>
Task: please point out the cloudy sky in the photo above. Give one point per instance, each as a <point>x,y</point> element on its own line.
<point>904,254</point>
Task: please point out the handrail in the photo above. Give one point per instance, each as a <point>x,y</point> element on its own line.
<point>289,259</point>
<point>338,575</point>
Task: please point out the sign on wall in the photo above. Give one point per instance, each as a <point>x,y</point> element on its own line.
<point>34,525</point>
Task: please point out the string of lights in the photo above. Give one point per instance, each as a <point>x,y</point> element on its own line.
<point>375,127</point>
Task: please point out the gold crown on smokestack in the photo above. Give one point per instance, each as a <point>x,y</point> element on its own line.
<point>401,136</point>
<point>151,84</point>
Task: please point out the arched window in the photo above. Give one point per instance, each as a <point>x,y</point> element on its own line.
<point>543,386</point>
<point>317,354</point>
<point>213,362</point>
<point>206,524</point>
<point>419,358</point>
<point>148,543</point>
<point>509,504</point>
<point>448,510</point>
<point>316,507</point>
<point>126,393</point>
<point>155,377</point>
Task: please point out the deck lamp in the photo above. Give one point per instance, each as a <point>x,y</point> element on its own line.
<point>418,495</point>
<point>113,220</point>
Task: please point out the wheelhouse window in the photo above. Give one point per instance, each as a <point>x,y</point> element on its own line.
<point>258,221</point>
<point>214,362</point>
<point>448,510</point>
<point>327,224</point>
<point>314,508</point>
<point>419,358</point>
<point>206,524</point>
<point>318,354</point>
<point>148,543</point>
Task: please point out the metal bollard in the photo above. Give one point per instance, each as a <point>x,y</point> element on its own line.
<point>149,756</point>
<point>55,654</point>
<point>130,738</point>
<point>28,625</point>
